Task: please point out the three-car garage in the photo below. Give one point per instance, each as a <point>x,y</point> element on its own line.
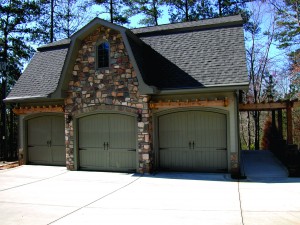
<point>191,140</point>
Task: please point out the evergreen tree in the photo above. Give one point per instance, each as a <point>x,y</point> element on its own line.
<point>61,18</point>
<point>204,10</point>
<point>288,23</point>
<point>288,36</point>
<point>149,8</point>
<point>114,9</point>
<point>230,7</point>
<point>16,26</point>
<point>182,10</point>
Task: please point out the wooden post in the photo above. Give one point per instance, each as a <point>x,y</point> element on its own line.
<point>289,118</point>
<point>273,119</point>
<point>279,121</point>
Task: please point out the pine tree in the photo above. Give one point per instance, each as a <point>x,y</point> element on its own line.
<point>204,10</point>
<point>16,16</point>
<point>182,10</point>
<point>61,18</point>
<point>288,23</point>
<point>288,36</point>
<point>230,7</point>
<point>150,9</point>
<point>114,9</point>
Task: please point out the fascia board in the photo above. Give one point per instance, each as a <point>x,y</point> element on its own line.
<point>243,86</point>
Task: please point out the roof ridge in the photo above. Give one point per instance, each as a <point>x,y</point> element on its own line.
<point>190,24</point>
<point>61,42</point>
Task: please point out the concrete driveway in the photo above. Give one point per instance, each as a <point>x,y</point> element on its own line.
<point>40,195</point>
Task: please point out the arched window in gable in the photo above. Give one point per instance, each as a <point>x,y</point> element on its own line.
<point>103,55</point>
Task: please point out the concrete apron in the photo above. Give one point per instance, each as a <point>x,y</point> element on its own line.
<point>52,195</point>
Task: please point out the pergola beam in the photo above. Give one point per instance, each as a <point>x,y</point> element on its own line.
<point>189,103</point>
<point>272,106</point>
<point>38,109</point>
<point>262,106</point>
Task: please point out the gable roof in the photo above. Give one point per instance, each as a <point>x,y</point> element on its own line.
<point>192,55</point>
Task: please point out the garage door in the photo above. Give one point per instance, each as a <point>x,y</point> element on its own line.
<point>46,145</point>
<point>193,141</point>
<point>107,142</point>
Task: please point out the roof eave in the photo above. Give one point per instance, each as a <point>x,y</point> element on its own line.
<point>207,88</point>
<point>26,99</point>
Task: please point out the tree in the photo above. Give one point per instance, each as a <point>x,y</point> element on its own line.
<point>288,23</point>
<point>294,73</point>
<point>258,61</point>
<point>204,10</point>
<point>149,8</point>
<point>288,37</point>
<point>231,7</point>
<point>114,9</point>
<point>182,10</point>
<point>15,32</point>
<point>61,18</point>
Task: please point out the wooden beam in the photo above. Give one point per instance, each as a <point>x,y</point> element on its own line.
<point>262,106</point>
<point>296,104</point>
<point>176,104</point>
<point>38,109</point>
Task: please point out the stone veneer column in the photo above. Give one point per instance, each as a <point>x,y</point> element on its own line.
<point>115,88</point>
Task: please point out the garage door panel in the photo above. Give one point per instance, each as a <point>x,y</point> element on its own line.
<point>171,159</point>
<point>58,155</point>
<point>39,155</point>
<point>173,130</point>
<point>202,142</point>
<point>210,160</point>
<point>107,142</point>
<point>45,140</point>
<point>210,129</point>
<point>92,158</point>
<point>122,132</point>
<point>93,131</point>
<point>123,160</point>
<point>58,131</point>
<point>39,131</point>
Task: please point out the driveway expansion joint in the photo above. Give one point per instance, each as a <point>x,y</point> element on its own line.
<point>36,181</point>
<point>240,201</point>
<point>98,199</point>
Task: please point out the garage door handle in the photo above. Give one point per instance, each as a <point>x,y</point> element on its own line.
<point>132,150</point>
<point>106,145</point>
<point>224,149</point>
<point>30,146</point>
<point>82,149</point>
<point>162,148</point>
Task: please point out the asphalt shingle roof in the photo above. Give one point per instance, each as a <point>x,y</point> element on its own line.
<point>41,76</point>
<point>211,57</point>
<point>175,56</point>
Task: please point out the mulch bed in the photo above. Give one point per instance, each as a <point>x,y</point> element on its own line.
<point>8,165</point>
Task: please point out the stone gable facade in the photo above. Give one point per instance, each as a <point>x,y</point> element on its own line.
<point>113,89</point>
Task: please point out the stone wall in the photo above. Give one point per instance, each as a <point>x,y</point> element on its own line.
<point>115,88</point>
